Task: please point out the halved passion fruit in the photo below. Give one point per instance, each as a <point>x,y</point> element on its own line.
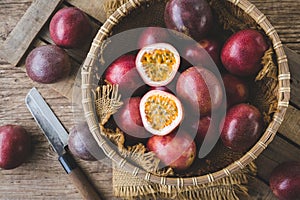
<point>158,63</point>
<point>161,112</point>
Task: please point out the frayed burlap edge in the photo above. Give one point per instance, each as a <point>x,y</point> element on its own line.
<point>128,186</point>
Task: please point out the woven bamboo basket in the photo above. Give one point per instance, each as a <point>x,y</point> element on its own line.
<point>282,98</point>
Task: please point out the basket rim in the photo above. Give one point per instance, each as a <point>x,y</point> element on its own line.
<point>247,158</point>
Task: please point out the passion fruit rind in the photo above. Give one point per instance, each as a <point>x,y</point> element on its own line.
<point>161,112</point>
<point>158,64</point>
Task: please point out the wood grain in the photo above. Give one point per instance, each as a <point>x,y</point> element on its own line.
<point>294,64</point>
<point>42,177</point>
<point>86,189</point>
<point>28,27</point>
<point>285,17</point>
<point>290,127</point>
<point>94,8</point>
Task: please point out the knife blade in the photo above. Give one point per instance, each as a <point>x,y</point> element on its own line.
<point>47,121</point>
<point>58,138</point>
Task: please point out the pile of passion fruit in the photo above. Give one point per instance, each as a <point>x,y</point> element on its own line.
<point>175,101</point>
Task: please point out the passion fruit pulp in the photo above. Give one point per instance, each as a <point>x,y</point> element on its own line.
<point>158,63</point>
<point>161,112</point>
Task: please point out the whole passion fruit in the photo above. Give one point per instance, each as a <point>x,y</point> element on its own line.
<point>285,180</point>
<point>47,64</point>
<point>202,52</point>
<point>15,146</point>
<point>191,17</point>
<point>200,90</point>
<point>128,119</point>
<point>161,112</point>
<point>177,149</point>
<point>82,144</point>
<point>243,125</point>
<point>237,90</point>
<point>158,63</point>
<point>123,72</point>
<point>242,53</point>
<point>152,35</point>
<point>70,28</point>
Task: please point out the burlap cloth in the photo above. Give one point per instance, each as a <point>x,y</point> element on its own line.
<point>127,186</point>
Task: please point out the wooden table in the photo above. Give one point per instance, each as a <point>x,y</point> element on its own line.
<point>42,177</point>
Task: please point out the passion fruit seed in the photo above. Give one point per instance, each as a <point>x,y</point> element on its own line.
<point>158,64</point>
<point>160,111</point>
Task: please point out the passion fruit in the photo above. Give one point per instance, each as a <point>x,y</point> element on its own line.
<point>285,180</point>
<point>70,28</point>
<point>47,64</point>
<point>242,53</point>
<point>152,35</point>
<point>123,72</point>
<point>161,112</point>
<point>200,90</point>
<point>82,144</point>
<point>128,119</point>
<point>158,63</point>
<point>204,127</point>
<point>177,149</point>
<point>191,17</point>
<point>237,89</point>
<point>204,52</point>
<point>243,125</point>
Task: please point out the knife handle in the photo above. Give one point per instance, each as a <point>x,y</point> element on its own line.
<point>79,179</point>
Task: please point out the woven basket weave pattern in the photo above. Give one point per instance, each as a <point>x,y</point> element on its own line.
<point>89,112</point>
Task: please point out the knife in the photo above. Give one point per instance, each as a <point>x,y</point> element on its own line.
<point>58,138</point>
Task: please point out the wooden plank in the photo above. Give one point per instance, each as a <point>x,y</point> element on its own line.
<point>26,30</point>
<point>259,190</point>
<point>16,10</point>
<point>94,8</point>
<point>285,17</point>
<point>294,64</point>
<point>290,126</point>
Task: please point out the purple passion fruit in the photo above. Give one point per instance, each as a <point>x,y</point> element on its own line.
<point>196,55</point>
<point>129,120</point>
<point>243,125</point>
<point>237,90</point>
<point>152,35</point>
<point>242,52</point>
<point>124,73</point>
<point>200,90</point>
<point>82,144</point>
<point>15,146</point>
<point>47,64</point>
<point>70,28</point>
<point>285,180</point>
<point>177,150</point>
<point>191,17</point>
